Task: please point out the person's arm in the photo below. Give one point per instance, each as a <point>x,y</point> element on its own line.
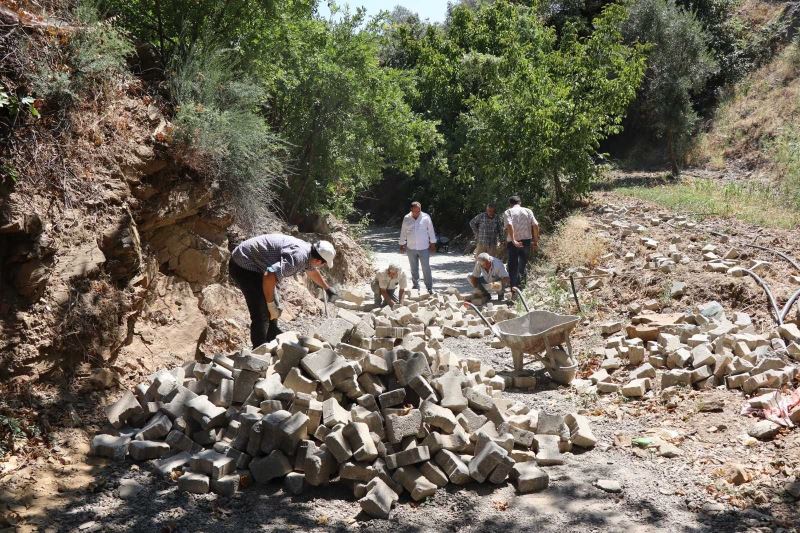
<point>534,233</point>
<point>431,234</point>
<point>268,283</point>
<point>403,235</point>
<point>473,224</point>
<point>387,300</point>
<point>400,295</point>
<point>510,233</point>
<point>317,278</point>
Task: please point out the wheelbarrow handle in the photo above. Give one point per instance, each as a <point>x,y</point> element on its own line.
<point>521,297</point>
<point>485,321</point>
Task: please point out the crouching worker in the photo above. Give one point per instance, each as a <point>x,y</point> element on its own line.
<point>385,284</point>
<point>489,269</point>
<point>259,264</point>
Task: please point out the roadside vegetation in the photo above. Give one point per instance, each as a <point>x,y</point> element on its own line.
<point>753,202</point>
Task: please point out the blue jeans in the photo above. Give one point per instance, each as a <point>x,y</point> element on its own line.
<point>414,258</point>
<point>517,262</point>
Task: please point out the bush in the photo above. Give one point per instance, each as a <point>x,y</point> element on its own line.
<point>574,244</point>
<point>220,134</point>
<point>786,150</point>
<point>93,59</point>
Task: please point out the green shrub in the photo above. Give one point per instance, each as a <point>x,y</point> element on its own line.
<point>786,150</point>
<point>220,133</point>
<point>98,50</point>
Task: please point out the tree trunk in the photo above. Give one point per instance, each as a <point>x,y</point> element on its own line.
<point>673,158</point>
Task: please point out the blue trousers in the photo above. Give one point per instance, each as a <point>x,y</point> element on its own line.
<point>517,262</point>
<point>415,257</point>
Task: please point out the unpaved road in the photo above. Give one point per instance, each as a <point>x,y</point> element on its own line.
<point>449,269</point>
<point>658,494</point>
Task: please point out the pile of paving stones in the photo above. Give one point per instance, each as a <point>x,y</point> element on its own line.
<point>703,349</point>
<point>371,400</point>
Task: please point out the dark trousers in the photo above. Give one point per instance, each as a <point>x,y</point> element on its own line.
<point>517,262</point>
<point>262,329</point>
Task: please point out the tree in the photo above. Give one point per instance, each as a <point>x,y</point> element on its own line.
<point>678,65</point>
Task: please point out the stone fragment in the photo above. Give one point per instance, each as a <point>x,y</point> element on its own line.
<point>529,478</point>
<point>267,468</point>
<point>124,409</point>
<point>764,430</point>
<point>608,485</point>
<point>379,499</point>
<point>144,450</point>
<point>580,431</point>
<point>194,483</point>
<point>414,482</point>
<point>411,456</point>
<point>457,472</point>
<point>110,446</point>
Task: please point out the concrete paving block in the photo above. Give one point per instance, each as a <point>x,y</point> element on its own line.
<point>194,483</point>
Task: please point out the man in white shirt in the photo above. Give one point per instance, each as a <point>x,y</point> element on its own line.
<point>386,282</point>
<point>522,236</point>
<point>418,240</point>
<point>489,269</point>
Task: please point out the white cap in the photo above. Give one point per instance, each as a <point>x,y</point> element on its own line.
<point>326,250</point>
<point>485,257</point>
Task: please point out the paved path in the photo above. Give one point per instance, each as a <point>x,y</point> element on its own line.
<point>449,269</point>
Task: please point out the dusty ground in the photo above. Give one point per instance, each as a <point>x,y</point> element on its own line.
<point>60,491</point>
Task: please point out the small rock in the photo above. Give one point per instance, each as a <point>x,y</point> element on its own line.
<point>608,485</point>
<point>129,489</point>
<point>764,430</point>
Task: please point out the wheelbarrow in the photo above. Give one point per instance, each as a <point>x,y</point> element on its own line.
<point>542,335</point>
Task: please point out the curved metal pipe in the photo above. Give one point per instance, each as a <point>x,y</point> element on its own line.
<point>770,297</point>
<point>521,297</point>
<point>789,304</point>
<point>485,320</point>
<point>787,257</point>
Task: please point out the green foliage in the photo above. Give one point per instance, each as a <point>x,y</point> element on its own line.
<point>345,116</point>
<point>521,109</point>
<point>678,65</point>
<point>12,104</point>
<point>786,150</point>
<point>220,133</point>
<point>93,58</point>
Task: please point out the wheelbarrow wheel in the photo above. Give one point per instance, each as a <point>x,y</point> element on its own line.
<point>561,366</point>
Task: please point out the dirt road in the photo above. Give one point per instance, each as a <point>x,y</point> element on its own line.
<point>658,493</point>
<point>449,269</point>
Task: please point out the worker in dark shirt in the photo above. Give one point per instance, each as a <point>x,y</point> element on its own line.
<point>259,264</point>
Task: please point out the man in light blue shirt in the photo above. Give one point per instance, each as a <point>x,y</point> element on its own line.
<point>488,270</point>
<point>417,241</point>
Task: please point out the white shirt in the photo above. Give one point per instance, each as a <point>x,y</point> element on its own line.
<point>521,219</point>
<point>417,233</point>
<point>385,282</point>
<point>496,272</point>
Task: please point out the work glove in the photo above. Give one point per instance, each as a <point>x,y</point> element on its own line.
<point>332,294</point>
<point>274,311</point>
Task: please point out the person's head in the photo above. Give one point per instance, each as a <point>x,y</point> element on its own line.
<point>514,200</point>
<point>322,253</point>
<point>416,208</point>
<point>491,210</point>
<point>485,260</point>
<point>393,270</point>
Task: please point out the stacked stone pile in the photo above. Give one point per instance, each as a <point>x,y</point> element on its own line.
<point>702,348</point>
<point>371,400</point>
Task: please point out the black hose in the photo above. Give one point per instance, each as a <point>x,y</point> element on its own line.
<point>789,304</point>
<point>770,297</point>
<point>792,261</point>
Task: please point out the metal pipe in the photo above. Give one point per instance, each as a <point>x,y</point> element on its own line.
<point>325,299</point>
<point>792,261</point>
<point>521,297</point>
<point>485,320</point>
<point>789,304</point>
<point>768,292</point>
<point>575,292</point>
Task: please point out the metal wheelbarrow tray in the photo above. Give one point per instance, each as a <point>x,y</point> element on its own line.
<point>543,335</point>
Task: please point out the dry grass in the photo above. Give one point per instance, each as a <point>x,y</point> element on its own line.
<point>574,244</point>
<point>749,120</point>
<point>757,13</point>
<point>751,202</point>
